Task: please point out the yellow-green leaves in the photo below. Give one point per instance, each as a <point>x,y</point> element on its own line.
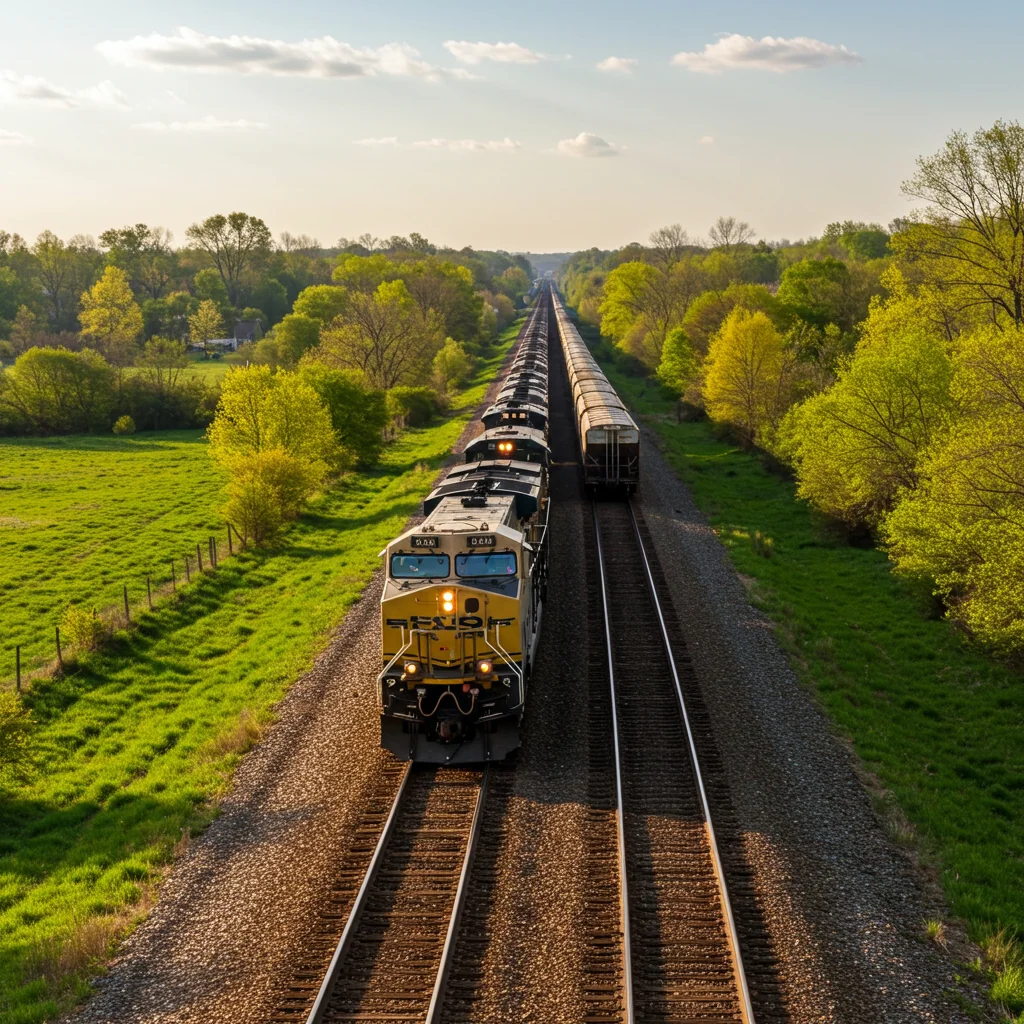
<point>111,316</point>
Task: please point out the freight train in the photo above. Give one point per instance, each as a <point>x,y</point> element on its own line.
<point>464,590</point>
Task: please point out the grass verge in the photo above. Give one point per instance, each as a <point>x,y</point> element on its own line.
<point>138,742</point>
<point>934,719</point>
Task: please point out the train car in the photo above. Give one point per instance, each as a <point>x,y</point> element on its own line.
<point>524,444</point>
<point>464,590</point>
<point>608,436</point>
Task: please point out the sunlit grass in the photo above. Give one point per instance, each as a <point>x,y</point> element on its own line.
<point>137,743</point>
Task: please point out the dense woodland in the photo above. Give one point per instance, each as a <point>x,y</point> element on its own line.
<point>884,367</point>
<point>98,331</point>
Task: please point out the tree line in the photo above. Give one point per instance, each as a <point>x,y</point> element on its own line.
<point>884,367</point>
<point>100,331</point>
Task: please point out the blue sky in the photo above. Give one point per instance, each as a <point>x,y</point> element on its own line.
<point>109,115</point>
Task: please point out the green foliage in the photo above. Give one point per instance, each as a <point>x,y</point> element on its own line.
<point>82,629</point>
<point>295,335</point>
<point>817,291</point>
<point>271,298</point>
<point>322,302</point>
<point>680,366</point>
<point>963,525</point>
<point>206,323</point>
<point>124,425</point>
<point>16,729</point>
<point>209,286</point>
<point>111,317</point>
<point>856,445</point>
<point>708,311</point>
<point>358,412</point>
<point>237,244</point>
<point>452,366</point>
<point>411,407</point>
<point>749,375</point>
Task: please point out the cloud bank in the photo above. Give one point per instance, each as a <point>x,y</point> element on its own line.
<point>15,88</point>
<point>771,53</point>
<point>205,124</point>
<point>323,57</point>
<point>620,65</point>
<point>505,145</point>
<point>500,53</point>
<point>587,144</point>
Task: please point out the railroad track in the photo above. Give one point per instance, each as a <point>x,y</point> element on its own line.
<point>676,955</point>
<point>393,958</point>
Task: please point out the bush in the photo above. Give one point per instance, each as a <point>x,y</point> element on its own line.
<point>452,366</point>
<point>359,413</point>
<point>412,407</point>
<point>679,367</point>
<point>82,629</point>
<point>265,491</point>
<point>16,725</point>
<point>124,425</point>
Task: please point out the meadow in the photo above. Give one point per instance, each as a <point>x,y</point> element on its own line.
<point>936,720</point>
<point>138,742</point>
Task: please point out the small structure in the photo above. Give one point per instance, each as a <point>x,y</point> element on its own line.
<point>221,345</point>
<point>247,330</point>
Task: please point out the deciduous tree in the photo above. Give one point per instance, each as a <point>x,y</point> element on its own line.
<point>237,243</point>
<point>111,317</point>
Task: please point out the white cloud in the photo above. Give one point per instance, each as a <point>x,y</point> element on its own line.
<point>13,138</point>
<point>707,140</point>
<point>206,124</point>
<point>622,65</point>
<point>587,144</point>
<point>771,53</point>
<point>505,145</point>
<point>390,140</point>
<point>323,57</point>
<point>500,53</point>
<point>15,88</point>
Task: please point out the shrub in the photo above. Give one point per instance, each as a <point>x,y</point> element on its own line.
<point>452,366</point>
<point>82,629</point>
<point>16,726</point>
<point>124,425</point>
<point>412,407</point>
<point>266,490</point>
<point>359,413</point>
<point>679,367</point>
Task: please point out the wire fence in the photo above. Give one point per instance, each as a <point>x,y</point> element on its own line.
<point>137,597</point>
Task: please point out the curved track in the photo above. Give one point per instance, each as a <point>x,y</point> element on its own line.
<point>680,951</point>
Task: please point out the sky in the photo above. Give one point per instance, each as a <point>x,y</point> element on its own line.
<point>534,126</point>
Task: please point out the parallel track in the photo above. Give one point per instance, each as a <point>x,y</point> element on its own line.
<point>393,958</point>
<point>678,941</point>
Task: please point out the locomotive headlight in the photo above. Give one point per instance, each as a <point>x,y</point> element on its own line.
<point>484,667</point>
<point>447,596</point>
<point>448,601</point>
<point>448,606</point>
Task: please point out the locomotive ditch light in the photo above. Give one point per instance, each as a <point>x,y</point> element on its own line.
<point>484,667</point>
<point>411,668</point>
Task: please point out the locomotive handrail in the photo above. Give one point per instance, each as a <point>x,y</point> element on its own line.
<point>387,668</point>
<point>507,658</point>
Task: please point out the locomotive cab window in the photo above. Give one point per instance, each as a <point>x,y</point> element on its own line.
<point>420,567</point>
<point>497,563</point>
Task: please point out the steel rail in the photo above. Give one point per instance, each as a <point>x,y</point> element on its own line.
<point>741,978</point>
<point>319,1010</point>
<point>627,957</point>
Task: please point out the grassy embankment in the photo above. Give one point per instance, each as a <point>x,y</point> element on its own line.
<point>935,720</point>
<point>139,741</point>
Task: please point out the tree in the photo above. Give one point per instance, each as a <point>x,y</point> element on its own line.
<point>111,316</point>
<point>275,437</point>
<point>24,330</point>
<point>237,244</point>
<point>383,334</point>
<point>749,375</point>
<point>295,335</point>
<point>205,323</point>
<point>708,311</point>
<point>144,254</point>
<point>669,245</point>
<point>728,233</point>
<point>53,261</point>
<point>816,291</point>
<point>365,273</point>
<point>272,298</point>
<point>857,445</point>
<point>54,391</point>
<point>679,368</point>
<point>514,282</point>
<point>447,288</point>
<point>299,243</point>
<point>358,412</point>
<point>452,366</point>
<point>963,525</point>
<point>971,238</point>
<point>321,302</point>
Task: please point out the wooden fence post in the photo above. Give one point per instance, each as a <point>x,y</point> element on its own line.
<point>60,656</point>
<point>149,591</point>
<point>174,582</point>
<point>188,572</point>
<point>127,614</point>
<point>199,557</point>
<point>231,549</point>
<point>17,667</point>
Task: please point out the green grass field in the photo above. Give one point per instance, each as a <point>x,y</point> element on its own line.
<point>82,516</point>
<point>137,744</point>
<point>937,721</point>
